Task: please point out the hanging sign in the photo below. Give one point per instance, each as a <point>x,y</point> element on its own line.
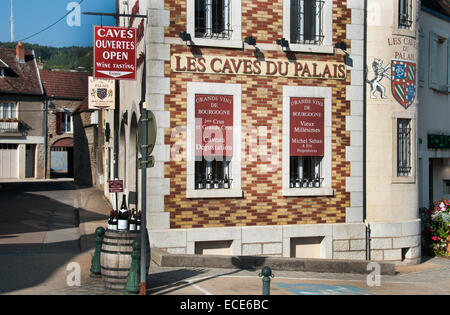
<point>213,125</point>
<point>307,126</point>
<point>115,185</point>
<point>101,94</point>
<point>114,53</point>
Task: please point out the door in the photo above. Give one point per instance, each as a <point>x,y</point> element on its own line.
<point>29,158</point>
<point>9,160</point>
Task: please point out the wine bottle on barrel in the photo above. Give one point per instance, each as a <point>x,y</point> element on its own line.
<point>122,221</point>
<point>138,221</point>
<point>110,220</point>
<point>114,221</point>
<point>133,220</point>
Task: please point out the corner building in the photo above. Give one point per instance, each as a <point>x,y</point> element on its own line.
<point>260,114</point>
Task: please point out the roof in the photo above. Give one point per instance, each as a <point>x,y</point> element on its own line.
<point>65,84</point>
<point>440,8</point>
<point>20,78</point>
<point>82,107</point>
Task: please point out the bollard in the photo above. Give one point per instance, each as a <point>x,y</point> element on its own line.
<point>266,273</point>
<point>95,266</point>
<point>133,277</point>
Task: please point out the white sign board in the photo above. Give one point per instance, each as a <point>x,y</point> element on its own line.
<point>101,93</point>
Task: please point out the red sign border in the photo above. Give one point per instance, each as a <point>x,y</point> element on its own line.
<point>135,55</point>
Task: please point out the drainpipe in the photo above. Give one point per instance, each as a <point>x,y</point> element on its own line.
<point>366,223</point>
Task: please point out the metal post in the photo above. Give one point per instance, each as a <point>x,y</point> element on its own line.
<point>266,273</point>
<point>95,266</point>
<point>46,99</point>
<point>133,276</point>
<point>143,284</point>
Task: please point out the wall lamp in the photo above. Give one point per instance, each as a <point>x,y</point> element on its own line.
<point>250,40</point>
<point>186,37</point>
<point>343,46</point>
<point>283,42</point>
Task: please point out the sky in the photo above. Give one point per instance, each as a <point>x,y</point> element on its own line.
<point>33,16</point>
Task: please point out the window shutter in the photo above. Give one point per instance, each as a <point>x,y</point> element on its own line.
<point>434,64</point>
<point>448,64</point>
<point>59,116</point>
<point>421,58</point>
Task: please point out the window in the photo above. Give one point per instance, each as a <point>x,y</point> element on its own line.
<point>306,22</point>
<point>66,122</point>
<point>307,148</point>
<point>63,122</point>
<point>305,172</point>
<point>213,140</point>
<point>212,174</point>
<point>405,15</point>
<point>212,19</point>
<point>439,79</point>
<point>215,23</point>
<point>403,147</point>
<point>8,111</point>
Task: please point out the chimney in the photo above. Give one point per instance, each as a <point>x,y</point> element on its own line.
<point>20,53</point>
<point>40,63</point>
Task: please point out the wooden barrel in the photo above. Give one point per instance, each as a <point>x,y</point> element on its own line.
<point>115,257</point>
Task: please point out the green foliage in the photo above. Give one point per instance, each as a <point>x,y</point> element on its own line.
<point>67,58</point>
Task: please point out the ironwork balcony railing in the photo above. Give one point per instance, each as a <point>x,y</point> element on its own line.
<point>9,127</point>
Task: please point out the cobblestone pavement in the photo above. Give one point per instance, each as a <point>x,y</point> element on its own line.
<point>430,277</point>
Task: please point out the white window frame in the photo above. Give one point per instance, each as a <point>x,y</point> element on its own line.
<point>13,111</point>
<point>194,88</point>
<point>327,27</point>
<point>326,188</point>
<point>411,179</point>
<point>66,113</point>
<point>398,29</point>
<point>236,35</point>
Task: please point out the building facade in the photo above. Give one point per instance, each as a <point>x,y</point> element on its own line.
<point>89,146</point>
<point>267,129</point>
<point>21,115</point>
<point>434,82</point>
<point>64,91</point>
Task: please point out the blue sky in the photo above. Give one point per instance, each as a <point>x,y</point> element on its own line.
<point>32,16</point>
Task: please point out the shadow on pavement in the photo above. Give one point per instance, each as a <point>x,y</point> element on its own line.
<point>40,236</point>
<point>31,186</point>
<point>174,280</point>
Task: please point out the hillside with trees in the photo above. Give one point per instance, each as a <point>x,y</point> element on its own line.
<point>67,58</point>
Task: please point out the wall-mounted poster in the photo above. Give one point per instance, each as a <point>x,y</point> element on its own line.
<point>307,126</point>
<point>213,125</point>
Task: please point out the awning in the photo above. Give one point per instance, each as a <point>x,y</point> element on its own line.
<point>65,142</point>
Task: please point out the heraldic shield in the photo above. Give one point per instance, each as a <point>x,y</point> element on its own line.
<point>404,82</point>
<point>102,93</point>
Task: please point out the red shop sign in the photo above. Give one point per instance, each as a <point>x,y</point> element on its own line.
<point>213,125</point>
<point>114,53</point>
<point>115,185</point>
<point>307,126</point>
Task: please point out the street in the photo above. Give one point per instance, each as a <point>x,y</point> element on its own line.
<point>47,232</point>
<point>45,226</point>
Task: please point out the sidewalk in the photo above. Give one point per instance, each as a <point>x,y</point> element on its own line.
<point>429,278</point>
<point>46,227</point>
